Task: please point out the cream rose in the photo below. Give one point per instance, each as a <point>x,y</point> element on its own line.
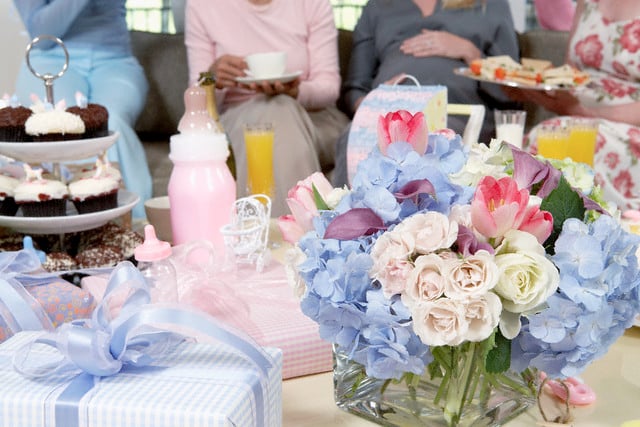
<point>440,322</point>
<point>470,277</point>
<point>428,232</point>
<point>461,214</point>
<point>527,277</point>
<point>391,264</point>
<point>425,281</point>
<point>483,315</point>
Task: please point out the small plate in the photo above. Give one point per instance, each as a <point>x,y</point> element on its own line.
<point>285,78</point>
<point>72,222</point>
<point>57,151</point>
<point>466,72</point>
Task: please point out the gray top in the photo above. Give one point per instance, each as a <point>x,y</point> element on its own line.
<point>385,24</point>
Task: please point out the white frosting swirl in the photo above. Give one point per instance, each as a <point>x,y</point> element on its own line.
<point>40,190</point>
<point>54,121</point>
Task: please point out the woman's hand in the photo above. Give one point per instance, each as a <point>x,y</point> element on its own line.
<point>440,43</point>
<point>226,69</point>
<point>561,102</point>
<point>276,88</point>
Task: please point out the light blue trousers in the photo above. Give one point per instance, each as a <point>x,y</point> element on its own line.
<point>116,82</point>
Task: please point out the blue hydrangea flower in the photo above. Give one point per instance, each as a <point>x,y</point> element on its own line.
<point>598,298</point>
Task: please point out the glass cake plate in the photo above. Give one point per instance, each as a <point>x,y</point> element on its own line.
<point>72,222</point>
<point>57,151</point>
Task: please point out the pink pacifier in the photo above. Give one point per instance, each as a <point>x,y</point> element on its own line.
<point>580,394</point>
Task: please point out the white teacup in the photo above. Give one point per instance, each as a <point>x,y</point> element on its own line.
<point>267,65</point>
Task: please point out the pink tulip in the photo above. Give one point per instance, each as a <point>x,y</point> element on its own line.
<point>537,222</point>
<point>290,229</point>
<point>302,205</point>
<point>403,126</point>
<point>498,206</point>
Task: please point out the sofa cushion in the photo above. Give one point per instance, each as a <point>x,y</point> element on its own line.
<point>542,44</point>
<point>164,60</point>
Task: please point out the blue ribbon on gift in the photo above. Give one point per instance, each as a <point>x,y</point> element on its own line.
<point>106,343</point>
<point>25,313</point>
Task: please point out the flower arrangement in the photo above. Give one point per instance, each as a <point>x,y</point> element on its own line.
<point>465,263</point>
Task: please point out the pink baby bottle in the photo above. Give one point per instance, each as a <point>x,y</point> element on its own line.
<point>154,262</point>
<point>201,188</point>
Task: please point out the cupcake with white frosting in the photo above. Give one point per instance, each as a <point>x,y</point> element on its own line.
<point>40,197</point>
<point>93,193</point>
<point>48,123</point>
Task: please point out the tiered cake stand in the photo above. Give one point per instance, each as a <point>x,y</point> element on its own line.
<point>58,152</point>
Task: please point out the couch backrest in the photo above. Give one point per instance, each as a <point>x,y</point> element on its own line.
<point>164,59</point>
<point>542,44</point>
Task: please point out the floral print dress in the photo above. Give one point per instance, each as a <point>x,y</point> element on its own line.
<point>610,52</point>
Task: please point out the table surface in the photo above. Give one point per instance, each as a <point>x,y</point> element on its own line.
<point>308,401</point>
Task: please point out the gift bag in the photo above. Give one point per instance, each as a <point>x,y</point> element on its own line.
<point>431,100</point>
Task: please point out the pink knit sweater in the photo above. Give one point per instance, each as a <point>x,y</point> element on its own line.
<point>305,29</point>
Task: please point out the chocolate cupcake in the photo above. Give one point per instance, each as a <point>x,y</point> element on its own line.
<point>8,206</point>
<point>12,121</point>
<point>94,193</point>
<point>39,197</point>
<point>54,125</point>
<point>95,118</point>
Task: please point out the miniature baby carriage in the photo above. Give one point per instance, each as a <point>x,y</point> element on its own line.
<point>246,236</point>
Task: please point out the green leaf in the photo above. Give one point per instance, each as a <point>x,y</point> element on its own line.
<point>499,357</point>
<point>563,203</point>
<point>321,205</point>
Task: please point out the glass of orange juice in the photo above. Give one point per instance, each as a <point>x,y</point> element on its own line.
<point>258,139</point>
<point>583,133</point>
<point>553,142</point>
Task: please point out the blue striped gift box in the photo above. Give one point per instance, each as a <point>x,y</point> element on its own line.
<point>201,385</point>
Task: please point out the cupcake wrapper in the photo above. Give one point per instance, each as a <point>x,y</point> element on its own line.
<point>8,206</point>
<point>97,203</point>
<point>57,137</point>
<point>54,207</point>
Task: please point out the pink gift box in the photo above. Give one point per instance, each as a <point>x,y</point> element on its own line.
<point>277,321</point>
<point>263,306</point>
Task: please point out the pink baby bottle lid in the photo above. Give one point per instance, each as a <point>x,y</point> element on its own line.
<point>152,249</point>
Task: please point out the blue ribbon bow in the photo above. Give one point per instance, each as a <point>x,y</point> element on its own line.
<point>103,345</point>
<point>24,313</point>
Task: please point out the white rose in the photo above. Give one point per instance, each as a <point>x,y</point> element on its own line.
<point>425,281</point>
<point>391,265</point>
<point>428,231</point>
<point>335,196</point>
<point>483,161</point>
<point>440,322</point>
<point>470,277</point>
<point>527,277</point>
<point>483,315</point>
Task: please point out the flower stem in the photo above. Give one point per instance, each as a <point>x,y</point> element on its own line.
<point>464,372</point>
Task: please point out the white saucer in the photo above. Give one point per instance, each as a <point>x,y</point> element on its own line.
<point>57,151</point>
<point>285,78</point>
<point>72,222</point>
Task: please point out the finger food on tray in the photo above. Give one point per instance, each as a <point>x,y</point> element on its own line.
<point>529,71</point>
<point>564,75</point>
